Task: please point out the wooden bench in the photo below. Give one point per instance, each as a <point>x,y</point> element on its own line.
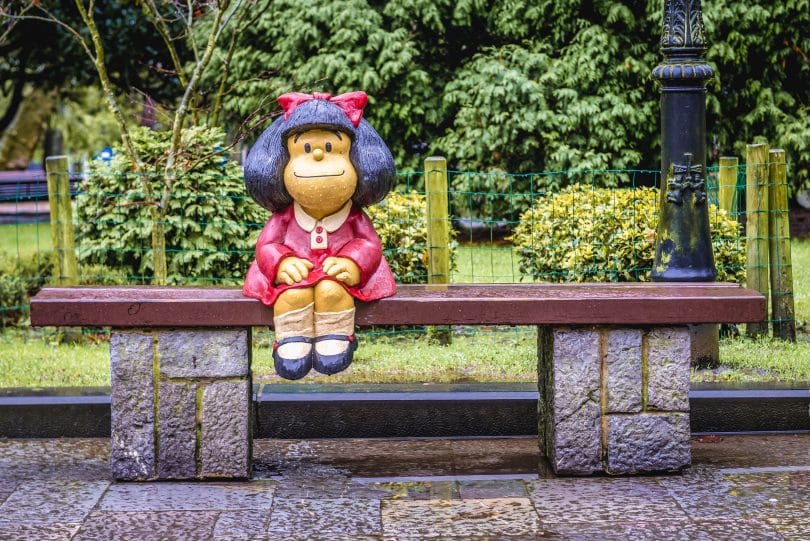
<point>613,366</point>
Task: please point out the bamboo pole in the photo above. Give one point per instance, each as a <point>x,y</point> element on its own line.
<point>438,232</point>
<point>756,227</point>
<point>784,323</point>
<point>727,180</point>
<point>65,266</point>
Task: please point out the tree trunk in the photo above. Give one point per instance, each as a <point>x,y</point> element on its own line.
<point>20,140</point>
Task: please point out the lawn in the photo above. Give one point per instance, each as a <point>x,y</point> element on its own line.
<point>25,238</point>
<point>37,359</point>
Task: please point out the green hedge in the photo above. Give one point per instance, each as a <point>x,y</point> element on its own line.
<point>401,222</point>
<point>212,224</point>
<point>20,278</point>
<point>586,234</point>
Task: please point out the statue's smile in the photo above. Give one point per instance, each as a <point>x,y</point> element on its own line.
<point>319,176</point>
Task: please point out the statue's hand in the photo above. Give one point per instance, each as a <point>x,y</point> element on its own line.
<point>343,269</point>
<point>292,270</point>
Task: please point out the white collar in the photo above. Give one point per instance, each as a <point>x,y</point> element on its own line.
<point>331,223</point>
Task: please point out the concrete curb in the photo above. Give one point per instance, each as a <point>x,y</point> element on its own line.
<point>386,411</point>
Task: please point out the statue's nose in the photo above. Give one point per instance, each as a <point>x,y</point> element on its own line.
<point>317,154</point>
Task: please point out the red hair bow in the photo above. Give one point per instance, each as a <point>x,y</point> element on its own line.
<point>351,103</point>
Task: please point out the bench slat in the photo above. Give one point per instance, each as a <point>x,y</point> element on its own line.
<point>479,304</point>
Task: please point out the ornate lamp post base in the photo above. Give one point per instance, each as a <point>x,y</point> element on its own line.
<point>683,248</point>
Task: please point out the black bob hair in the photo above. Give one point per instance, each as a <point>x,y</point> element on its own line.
<point>265,163</point>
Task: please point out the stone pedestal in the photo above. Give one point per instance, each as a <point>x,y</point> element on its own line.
<point>181,404</point>
<point>614,400</point>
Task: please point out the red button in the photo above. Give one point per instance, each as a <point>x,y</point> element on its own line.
<point>319,239</point>
<point>319,229</point>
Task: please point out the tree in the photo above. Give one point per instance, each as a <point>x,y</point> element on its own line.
<point>37,58</point>
<point>528,85</point>
<point>164,16</point>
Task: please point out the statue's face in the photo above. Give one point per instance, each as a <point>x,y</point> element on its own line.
<point>320,176</point>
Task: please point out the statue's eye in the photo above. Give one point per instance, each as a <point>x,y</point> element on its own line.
<point>307,148</point>
<point>328,147</point>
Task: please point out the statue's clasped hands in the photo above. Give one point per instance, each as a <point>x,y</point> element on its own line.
<point>292,270</point>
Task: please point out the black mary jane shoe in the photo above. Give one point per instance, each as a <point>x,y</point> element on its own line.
<point>292,368</point>
<point>332,364</point>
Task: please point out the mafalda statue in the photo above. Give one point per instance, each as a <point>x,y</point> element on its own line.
<point>315,168</point>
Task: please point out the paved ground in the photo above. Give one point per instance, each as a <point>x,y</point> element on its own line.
<point>739,487</point>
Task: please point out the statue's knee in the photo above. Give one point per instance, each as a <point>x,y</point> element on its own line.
<point>293,299</point>
<point>330,293</point>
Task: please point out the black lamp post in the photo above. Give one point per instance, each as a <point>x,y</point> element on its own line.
<point>683,248</point>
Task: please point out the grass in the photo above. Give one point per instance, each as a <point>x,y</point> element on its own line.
<point>25,238</point>
<point>485,264</point>
<point>35,359</point>
<point>800,252</point>
<point>746,360</point>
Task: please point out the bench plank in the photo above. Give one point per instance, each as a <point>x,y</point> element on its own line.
<point>479,304</point>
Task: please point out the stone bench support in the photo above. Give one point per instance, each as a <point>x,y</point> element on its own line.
<point>181,403</point>
<point>613,366</point>
<point>614,399</point>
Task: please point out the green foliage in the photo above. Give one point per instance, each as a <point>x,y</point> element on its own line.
<point>211,225</point>
<point>519,85</point>
<point>401,222</point>
<point>761,51</point>
<point>20,278</point>
<point>586,234</point>
<point>86,121</point>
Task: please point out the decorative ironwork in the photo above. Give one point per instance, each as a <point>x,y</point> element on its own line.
<point>683,249</point>
<point>686,178</point>
<point>683,25</point>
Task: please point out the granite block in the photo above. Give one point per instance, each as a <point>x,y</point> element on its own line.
<point>668,363</point>
<point>178,431</point>
<point>132,430</point>
<point>623,366</point>
<point>647,443</point>
<point>570,409</point>
<point>226,429</point>
<point>204,353</point>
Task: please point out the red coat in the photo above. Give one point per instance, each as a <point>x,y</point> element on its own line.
<point>353,239</point>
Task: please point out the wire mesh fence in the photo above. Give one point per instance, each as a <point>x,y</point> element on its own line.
<point>596,225</point>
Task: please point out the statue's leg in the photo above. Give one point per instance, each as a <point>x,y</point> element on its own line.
<point>293,318</point>
<point>335,341</point>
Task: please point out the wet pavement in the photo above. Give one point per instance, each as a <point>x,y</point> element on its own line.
<point>739,487</point>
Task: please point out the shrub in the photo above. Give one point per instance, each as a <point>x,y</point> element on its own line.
<point>607,235</point>
<point>20,278</point>
<point>401,222</point>
<point>212,224</point>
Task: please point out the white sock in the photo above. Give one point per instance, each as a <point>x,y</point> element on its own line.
<point>333,323</point>
<point>295,323</point>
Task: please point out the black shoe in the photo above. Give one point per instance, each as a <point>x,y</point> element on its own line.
<point>332,364</point>
<point>292,368</point>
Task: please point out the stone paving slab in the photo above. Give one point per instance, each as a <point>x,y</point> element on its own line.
<point>52,502</point>
<point>188,496</point>
<point>603,499</point>
<point>738,488</point>
<point>439,519</point>
<point>37,532</point>
<point>669,531</point>
<point>148,526</point>
<point>791,529</point>
<point>79,459</point>
<point>341,516</point>
<point>239,525</point>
